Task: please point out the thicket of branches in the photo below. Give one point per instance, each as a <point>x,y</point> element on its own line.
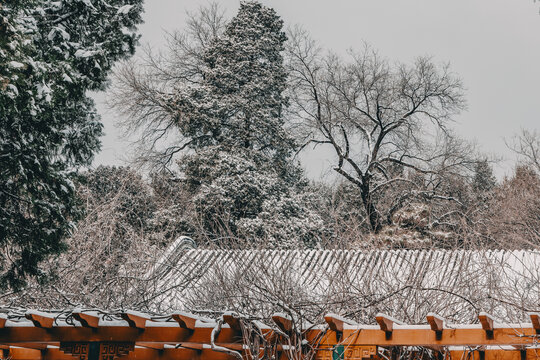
<point>130,222</point>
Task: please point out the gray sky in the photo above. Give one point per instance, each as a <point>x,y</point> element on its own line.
<point>494,45</point>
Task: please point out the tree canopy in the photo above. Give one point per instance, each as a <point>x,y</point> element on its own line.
<point>51,54</point>
<point>239,101</point>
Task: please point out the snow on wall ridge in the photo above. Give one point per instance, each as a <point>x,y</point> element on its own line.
<point>316,273</point>
<point>497,252</point>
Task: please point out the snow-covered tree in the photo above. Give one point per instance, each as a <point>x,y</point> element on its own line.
<point>239,103</point>
<point>243,149</point>
<point>51,54</point>
<point>226,101</point>
<point>241,196</point>
<point>143,86</point>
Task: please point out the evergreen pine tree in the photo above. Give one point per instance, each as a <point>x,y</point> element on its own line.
<point>240,101</point>
<point>484,180</point>
<point>51,54</point>
<point>241,172</point>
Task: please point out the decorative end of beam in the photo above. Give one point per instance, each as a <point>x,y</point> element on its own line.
<point>86,320</point>
<point>3,319</point>
<point>185,320</point>
<point>435,321</point>
<point>488,324</point>
<point>336,322</point>
<point>487,321</point>
<point>535,319</point>
<point>233,320</point>
<point>135,319</point>
<point>284,322</point>
<point>386,322</point>
<point>40,319</point>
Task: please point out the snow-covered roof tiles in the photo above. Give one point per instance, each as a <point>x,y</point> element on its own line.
<point>408,284</point>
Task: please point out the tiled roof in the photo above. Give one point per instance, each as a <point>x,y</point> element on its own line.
<point>357,283</point>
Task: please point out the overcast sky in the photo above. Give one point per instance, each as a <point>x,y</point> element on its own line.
<point>494,45</point>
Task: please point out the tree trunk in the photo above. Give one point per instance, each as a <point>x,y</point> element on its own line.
<point>369,206</point>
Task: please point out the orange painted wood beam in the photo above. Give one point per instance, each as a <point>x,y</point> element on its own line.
<point>435,321</point>
<point>535,320</point>
<point>40,319</point>
<point>185,320</point>
<point>24,353</point>
<point>337,323</point>
<point>386,323</point>
<point>32,345</point>
<point>487,321</point>
<point>449,337</point>
<point>86,320</point>
<point>172,333</point>
<point>3,319</point>
<point>135,319</point>
<point>233,320</point>
<point>284,322</point>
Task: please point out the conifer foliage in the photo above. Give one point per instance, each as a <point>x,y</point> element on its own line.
<point>51,54</point>
<point>240,100</point>
<point>241,170</point>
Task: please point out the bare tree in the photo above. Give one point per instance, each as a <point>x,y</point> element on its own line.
<point>378,117</point>
<point>527,146</point>
<point>143,88</point>
<point>120,237</point>
<point>513,220</point>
